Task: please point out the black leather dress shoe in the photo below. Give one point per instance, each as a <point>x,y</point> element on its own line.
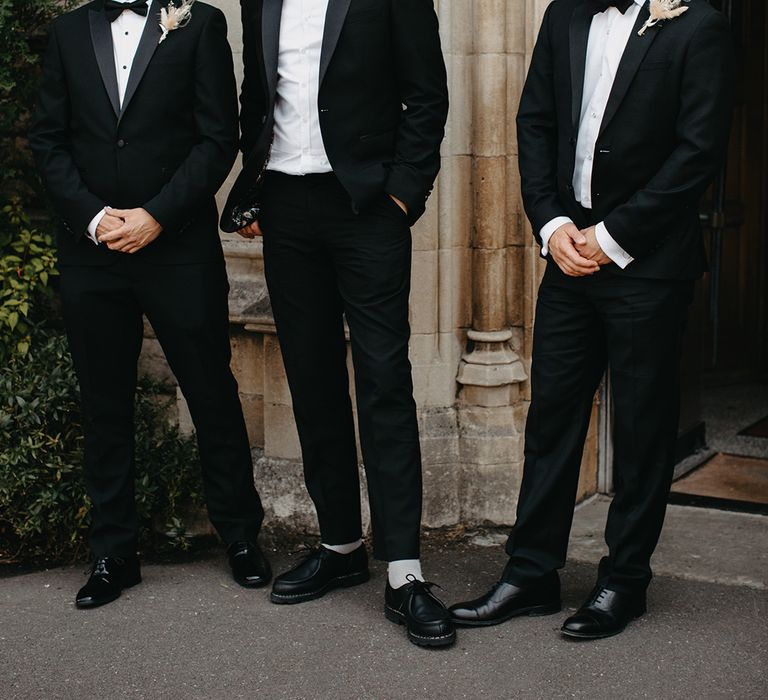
<point>414,605</point>
<point>250,567</point>
<point>318,573</point>
<point>604,614</point>
<point>109,576</point>
<point>505,601</point>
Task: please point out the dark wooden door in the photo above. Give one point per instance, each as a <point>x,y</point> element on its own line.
<point>728,334</point>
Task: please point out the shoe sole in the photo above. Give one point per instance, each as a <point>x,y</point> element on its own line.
<point>398,618</point>
<point>90,606</point>
<point>601,635</point>
<point>339,582</point>
<point>532,611</point>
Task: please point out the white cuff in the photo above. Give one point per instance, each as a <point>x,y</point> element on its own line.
<point>547,231</point>
<point>95,221</point>
<point>612,249</point>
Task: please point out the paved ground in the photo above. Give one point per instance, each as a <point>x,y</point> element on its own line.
<point>188,632</point>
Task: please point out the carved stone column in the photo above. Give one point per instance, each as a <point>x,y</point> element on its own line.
<point>491,370</point>
<point>491,407</point>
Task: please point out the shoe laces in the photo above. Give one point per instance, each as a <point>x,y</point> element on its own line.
<point>426,585</point>
<point>599,596</point>
<point>100,566</point>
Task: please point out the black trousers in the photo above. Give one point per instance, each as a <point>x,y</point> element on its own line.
<point>187,307</point>
<point>324,262</point>
<point>583,325</point>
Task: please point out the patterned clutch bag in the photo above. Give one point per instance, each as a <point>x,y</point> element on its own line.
<point>241,217</point>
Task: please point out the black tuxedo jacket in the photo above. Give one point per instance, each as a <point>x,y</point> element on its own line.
<point>661,141</point>
<point>383,99</point>
<point>168,149</point>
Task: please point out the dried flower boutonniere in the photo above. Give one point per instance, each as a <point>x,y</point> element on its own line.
<point>175,17</point>
<point>661,10</point>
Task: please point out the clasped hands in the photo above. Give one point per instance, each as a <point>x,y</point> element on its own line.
<point>577,252</point>
<point>127,230</point>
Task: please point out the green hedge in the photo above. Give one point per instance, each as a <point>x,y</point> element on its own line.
<point>44,510</point>
<point>23,29</point>
<point>27,260</point>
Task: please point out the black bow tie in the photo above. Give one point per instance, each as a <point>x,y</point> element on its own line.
<point>114,9</point>
<point>621,5</point>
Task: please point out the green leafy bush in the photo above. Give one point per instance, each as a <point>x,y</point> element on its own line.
<point>27,262</point>
<point>44,510</point>
<point>23,26</point>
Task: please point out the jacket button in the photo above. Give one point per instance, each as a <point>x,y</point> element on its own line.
<point>121,143</point>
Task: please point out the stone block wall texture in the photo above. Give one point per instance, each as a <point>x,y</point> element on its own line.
<point>476,270</point>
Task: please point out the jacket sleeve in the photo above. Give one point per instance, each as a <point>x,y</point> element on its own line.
<point>423,86</point>
<point>252,102</point>
<point>50,143</point>
<point>537,137</point>
<point>215,111</point>
<point>702,130</point>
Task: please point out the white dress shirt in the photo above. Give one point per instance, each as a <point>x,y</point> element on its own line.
<point>608,37</point>
<point>297,148</point>
<point>126,33</point>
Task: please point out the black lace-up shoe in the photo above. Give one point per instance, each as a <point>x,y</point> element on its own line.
<point>505,601</point>
<point>250,567</point>
<point>421,611</point>
<point>604,614</point>
<point>109,576</point>
<point>318,573</point>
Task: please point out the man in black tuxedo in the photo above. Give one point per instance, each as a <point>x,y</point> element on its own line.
<point>344,104</point>
<point>133,137</point>
<point>620,132</point>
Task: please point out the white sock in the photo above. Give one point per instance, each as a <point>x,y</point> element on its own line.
<point>400,571</point>
<point>344,548</point>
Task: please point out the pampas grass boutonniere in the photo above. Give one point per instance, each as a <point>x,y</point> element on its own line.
<point>175,17</point>
<point>661,10</point>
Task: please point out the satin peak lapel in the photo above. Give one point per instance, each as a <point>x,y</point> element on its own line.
<point>334,21</point>
<point>271,14</point>
<point>581,21</point>
<point>150,39</point>
<point>101,37</point>
<point>637,47</point>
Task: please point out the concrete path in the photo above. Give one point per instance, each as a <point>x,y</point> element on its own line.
<point>189,632</point>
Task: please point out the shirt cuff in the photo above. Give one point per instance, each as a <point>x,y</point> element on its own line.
<point>549,229</point>
<point>95,221</point>
<point>612,249</point>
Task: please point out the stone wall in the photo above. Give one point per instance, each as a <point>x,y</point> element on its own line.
<point>475,274</point>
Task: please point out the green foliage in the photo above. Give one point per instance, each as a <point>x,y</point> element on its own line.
<point>23,25</point>
<point>27,263</point>
<point>44,510</point>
